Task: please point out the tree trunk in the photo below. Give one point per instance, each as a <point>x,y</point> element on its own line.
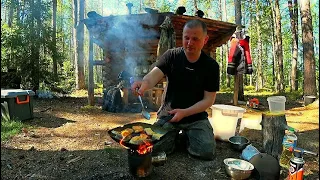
<point>309,85</point>
<point>195,5</point>
<point>18,12</point>
<point>90,78</point>
<point>274,49</point>
<point>294,30</point>
<point>238,16</point>
<point>11,10</point>
<point>80,38</point>
<point>259,49</point>
<point>221,48</point>
<point>224,18</point>
<point>74,38</point>
<point>273,130</point>
<point>279,52</point>
<point>54,38</point>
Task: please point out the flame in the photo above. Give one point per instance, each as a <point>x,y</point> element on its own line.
<point>124,135</point>
<point>145,148</point>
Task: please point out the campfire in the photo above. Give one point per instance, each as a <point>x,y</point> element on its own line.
<point>138,139</point>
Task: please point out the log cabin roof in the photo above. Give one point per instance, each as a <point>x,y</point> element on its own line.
<point>145,27</point>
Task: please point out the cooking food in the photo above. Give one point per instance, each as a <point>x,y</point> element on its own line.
<point>149,131</point>
<point>137,129</point>
<point>137,134</point>
<point>127,132</point>
<point>139,139</point>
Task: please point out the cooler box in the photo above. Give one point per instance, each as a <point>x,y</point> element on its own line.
<point>19,103</point>
<point>224,120</point>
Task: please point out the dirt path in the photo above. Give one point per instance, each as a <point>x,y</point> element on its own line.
<point>70,141</point>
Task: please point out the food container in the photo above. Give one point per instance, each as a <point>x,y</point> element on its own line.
<point>237,168</point>
<point>239,142</point>
<point>276,104</point>
<point>224,120</point>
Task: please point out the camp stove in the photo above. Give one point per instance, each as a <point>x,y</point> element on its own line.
<point>141,159</point>
<point>141,165</point>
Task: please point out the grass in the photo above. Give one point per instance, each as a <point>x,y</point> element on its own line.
<point>10,128</point>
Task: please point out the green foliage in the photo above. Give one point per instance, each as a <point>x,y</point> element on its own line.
<point>226,90</point>
<point>89,108</point>
<point>28,47</point>
<point>249,88</point>
<point>10,128</point>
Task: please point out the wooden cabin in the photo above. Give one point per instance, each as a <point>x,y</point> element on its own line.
<point>131,43</point>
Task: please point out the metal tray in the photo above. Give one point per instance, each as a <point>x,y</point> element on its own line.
<point>155,128</point>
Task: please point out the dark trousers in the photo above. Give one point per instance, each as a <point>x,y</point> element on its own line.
<point>197,137</point>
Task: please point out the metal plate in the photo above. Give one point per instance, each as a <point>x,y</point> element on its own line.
<point>155,128</point>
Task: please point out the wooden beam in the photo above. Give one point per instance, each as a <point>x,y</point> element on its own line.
<point>91,83</point>
<point>236,89</point>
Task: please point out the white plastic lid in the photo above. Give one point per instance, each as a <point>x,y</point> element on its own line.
<point>277,98</point>
<point>228,109</point>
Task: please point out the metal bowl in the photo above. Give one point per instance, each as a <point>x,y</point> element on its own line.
<point>237,168</point>
<point>239,142</point>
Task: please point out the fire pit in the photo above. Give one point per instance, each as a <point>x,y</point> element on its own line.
<point>140,159</point>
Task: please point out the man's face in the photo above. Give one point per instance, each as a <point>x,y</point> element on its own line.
<point>193,40</point>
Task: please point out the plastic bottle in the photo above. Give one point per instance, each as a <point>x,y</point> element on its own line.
<point>289,142</point>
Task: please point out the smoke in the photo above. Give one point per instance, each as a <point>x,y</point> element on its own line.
<point>128,33</point>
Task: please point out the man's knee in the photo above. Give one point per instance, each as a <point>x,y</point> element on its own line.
<point>205,150</point>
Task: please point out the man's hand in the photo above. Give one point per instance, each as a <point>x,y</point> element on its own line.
<point>178,114</point>
<point>148,81</point>
<point>135,87</point>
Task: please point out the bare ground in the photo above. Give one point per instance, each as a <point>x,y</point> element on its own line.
<point>69,141</point>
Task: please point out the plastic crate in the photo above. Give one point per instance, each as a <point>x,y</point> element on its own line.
<point>19,103</point>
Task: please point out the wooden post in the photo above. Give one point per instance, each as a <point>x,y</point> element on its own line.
<point>158,96</point>
<point>125,97</point>
<point>273,130</point>
<point>236,89</point>
<point>91,83</point>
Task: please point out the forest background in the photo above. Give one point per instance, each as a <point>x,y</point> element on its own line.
<point>43,42</point>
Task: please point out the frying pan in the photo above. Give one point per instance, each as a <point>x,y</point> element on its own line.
<point>154,128</point>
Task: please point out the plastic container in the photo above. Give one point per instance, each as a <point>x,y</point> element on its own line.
<point>224,120</point>
<point>309,100</point>
<point>277,104</point>
<point>289,141</point>
<point>249,152</point>
<point>19,103</point>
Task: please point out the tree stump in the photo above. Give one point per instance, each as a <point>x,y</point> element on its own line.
<point>273,129</point>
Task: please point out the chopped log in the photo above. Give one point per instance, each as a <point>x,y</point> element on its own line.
<point>273,130</point>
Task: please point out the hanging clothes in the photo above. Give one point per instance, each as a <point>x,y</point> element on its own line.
<point>244,43</point>
<point>235,57</point>
<point>239,58</point>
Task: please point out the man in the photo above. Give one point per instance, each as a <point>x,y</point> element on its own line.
<point>192,83</point>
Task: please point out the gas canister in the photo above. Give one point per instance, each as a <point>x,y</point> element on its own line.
<point>296,167</point>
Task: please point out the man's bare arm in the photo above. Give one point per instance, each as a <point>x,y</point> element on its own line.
<point>207,101</point>
<point>149,80</point>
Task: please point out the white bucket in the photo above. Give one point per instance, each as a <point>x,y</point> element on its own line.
<point>224,120</point>
<point>277,104</point>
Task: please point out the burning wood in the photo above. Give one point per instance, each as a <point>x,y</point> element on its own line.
<point>145,148</point>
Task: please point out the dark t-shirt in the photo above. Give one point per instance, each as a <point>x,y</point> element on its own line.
<point>188,81</point>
